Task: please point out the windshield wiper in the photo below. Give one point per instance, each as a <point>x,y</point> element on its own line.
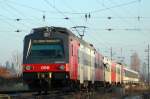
<point>29,48</point>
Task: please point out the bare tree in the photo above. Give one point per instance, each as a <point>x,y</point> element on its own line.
<point>7,64</point>
<point>16,61</point>
<point>1,65</point>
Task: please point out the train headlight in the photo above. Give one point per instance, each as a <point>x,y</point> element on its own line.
<point>62,67</point>
<point>28,68</point>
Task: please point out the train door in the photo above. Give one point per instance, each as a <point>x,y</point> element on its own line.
<point>88,63</point>
<point>92,66</point>
<point>118,73</point>
<point>101,67</point>
<point>73,60</point>
<point>97,71</point>
<point>107,70</point>
<point>80,64</point>
<point>113,73</point>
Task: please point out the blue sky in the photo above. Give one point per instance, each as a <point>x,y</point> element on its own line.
<point>128,32</point>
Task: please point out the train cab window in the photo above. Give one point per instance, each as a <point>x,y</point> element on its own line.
<point>47,50</point>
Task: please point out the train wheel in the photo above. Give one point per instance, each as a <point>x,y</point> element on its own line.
<point>34,85</point>
<point>74,86</point>
<point>85,86</point>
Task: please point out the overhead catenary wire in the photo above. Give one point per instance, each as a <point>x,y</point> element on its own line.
<point>13,30</point>
<point>83,13</point>
<point>68,6</point>
<point>112,11</point>
<point>123,18</point>
<point>40,10</point>
<point>26,6</point>
<point>109,29</point>
<point>5,21</point>
<point>142,18</point>
<point>114,6</point>
<point>123,10</point>
<point>113,18</point>
<point>137,20</point>
<point>98,40</point>
<point>61,13</point>
<point>128,28</point>
<point>19,12</point>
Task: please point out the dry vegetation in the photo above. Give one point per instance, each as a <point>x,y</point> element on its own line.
<point>10,81</point>
<point>137,90</point>
<point>5,73</point>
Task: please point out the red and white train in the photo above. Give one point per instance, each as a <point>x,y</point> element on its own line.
<point>58,57</point>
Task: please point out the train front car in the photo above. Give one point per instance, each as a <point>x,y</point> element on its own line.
<point>46,57</point>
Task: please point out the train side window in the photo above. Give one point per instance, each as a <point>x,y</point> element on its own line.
<point>78,56</point>
<point>72,49</point>
<point>106,66</point>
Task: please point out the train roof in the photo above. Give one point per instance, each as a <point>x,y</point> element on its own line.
<point>61,30</point>
<point>128,69</point>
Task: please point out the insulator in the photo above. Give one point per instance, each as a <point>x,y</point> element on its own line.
<point>18,19</point>
<point>109,18</point>
<point>89,15</point>
<point>109,29</point>
<point>66,18</point>
<point>17,31</point>
<point>44,17</point>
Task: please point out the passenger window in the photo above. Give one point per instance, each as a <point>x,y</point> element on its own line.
<point>72,50</point>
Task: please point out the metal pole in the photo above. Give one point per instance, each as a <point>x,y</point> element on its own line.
<point>144,71</point>
<point>148,64</point>
<point>111,53</point>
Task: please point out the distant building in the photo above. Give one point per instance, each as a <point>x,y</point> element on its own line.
<point>135,62</point>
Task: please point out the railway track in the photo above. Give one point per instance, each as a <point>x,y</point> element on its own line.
<point>63,94</point>
<point>34,95</point>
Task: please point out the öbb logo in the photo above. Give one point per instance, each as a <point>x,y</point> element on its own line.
<point>45,67</point>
